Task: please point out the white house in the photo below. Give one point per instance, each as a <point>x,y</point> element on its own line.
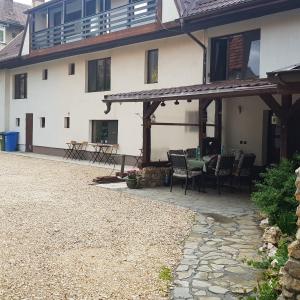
<point>73,53</point>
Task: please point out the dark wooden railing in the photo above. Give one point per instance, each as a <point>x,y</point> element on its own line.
<point>123,17</point>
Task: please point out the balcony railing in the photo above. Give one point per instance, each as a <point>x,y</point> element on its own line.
<point>123,17</point>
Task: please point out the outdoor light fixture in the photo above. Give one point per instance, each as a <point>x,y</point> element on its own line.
<point>189,100</point>
<point>176,102</point>
<point>163,104</point>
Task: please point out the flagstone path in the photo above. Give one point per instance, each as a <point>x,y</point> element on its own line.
<point>225,234</point>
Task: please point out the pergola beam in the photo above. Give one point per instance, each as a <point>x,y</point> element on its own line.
<point>271,102</point>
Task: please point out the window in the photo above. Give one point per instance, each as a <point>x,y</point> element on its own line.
<point>67,122</point>
<point>152,66</point>
<point>21,86</point>
<point>71,69</point>
<point>105,132</point>
<point>99,75</point>
<point>17,122</point>
<point>2,34</point>
<point>42,122</point>
<point>45,74</point>
<point>236,56</point>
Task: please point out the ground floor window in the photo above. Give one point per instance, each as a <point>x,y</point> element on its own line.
<point>105,132</point>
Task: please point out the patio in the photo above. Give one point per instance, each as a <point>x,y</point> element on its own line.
<point>225,234</point>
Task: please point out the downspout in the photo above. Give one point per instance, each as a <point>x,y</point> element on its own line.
<point>204,55</point>
<point>204,79</point>
<point>204,48</point>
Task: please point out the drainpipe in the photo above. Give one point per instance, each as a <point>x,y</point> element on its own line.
<point>204,54</point>
<point>204,48</point>
<point>204,79</point>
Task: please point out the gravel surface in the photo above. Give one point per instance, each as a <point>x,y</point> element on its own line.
<point>61,238</point>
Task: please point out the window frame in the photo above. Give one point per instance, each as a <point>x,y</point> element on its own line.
<point>108,141</point>
<point>67,121</point>
<point>18,80</point>
<point>45,74</point>
<point>71,69</point>
<point>42,122</point>
<point>149,78</point>
<point>213,63</point>
<point>106,75</point>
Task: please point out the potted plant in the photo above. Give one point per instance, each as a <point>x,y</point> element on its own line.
<point>133,180</point>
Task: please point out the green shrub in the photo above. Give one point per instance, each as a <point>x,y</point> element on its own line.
<point>269,288</point>
<point>274,195</point>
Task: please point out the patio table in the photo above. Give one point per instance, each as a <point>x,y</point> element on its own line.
<point>70,151</point>
<point>100,150</point>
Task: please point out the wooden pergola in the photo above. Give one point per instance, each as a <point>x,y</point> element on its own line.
<point>205,94</point>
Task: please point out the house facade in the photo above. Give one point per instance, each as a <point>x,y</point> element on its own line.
<point>74,53</point>
<point>12,20</point>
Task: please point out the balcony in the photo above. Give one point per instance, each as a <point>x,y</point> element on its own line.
<point>65,25</point>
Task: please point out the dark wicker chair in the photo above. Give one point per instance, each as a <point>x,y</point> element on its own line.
<point>244,170</point>
<point>191,152</point>
<point>220,168</point>
<point>180,170</point>
<point>179,151</point>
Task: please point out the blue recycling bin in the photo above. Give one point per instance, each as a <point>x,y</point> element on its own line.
<point>11,139</point>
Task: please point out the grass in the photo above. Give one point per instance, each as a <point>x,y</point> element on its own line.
<point>165,274</point>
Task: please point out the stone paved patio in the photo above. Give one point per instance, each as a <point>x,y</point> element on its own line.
<point>225,233</point>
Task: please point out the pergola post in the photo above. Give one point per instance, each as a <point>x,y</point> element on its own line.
<point>146,134</point>
<point>287,102</point>
<point>148,110</point>
<point>218,120</point>
<point>201,117</point>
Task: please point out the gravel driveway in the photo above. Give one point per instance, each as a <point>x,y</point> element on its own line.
<point>61,238</point>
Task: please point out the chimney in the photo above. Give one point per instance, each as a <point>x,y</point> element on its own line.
<point>36,3</point>
<point>8,7</point>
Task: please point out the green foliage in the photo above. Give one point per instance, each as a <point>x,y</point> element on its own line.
<point>165,274</point>
<point>264,264</point>
<point>268,288</point>
<point>274,195</point>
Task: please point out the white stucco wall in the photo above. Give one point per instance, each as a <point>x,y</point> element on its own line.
<point>4,99</point>
<point>180,63</point>
<point>280,41</point>
<point>62,95</point>
<point>169,11</point>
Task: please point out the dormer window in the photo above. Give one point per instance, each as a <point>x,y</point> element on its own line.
<point>236,56</point>
<point>2,35</point>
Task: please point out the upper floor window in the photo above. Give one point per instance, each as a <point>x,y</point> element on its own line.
<point>2,34</point>
<point>99,75</point>
<point>71,69</point>
<point>20,86</point>
<point>235,56</point>
<point>45,74</point>
<point>152,66</point>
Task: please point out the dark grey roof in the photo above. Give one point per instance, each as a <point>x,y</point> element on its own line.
<point>13,12</point>
<point>13,48</point>
<point>204,7</point>
<point>226,88</point>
